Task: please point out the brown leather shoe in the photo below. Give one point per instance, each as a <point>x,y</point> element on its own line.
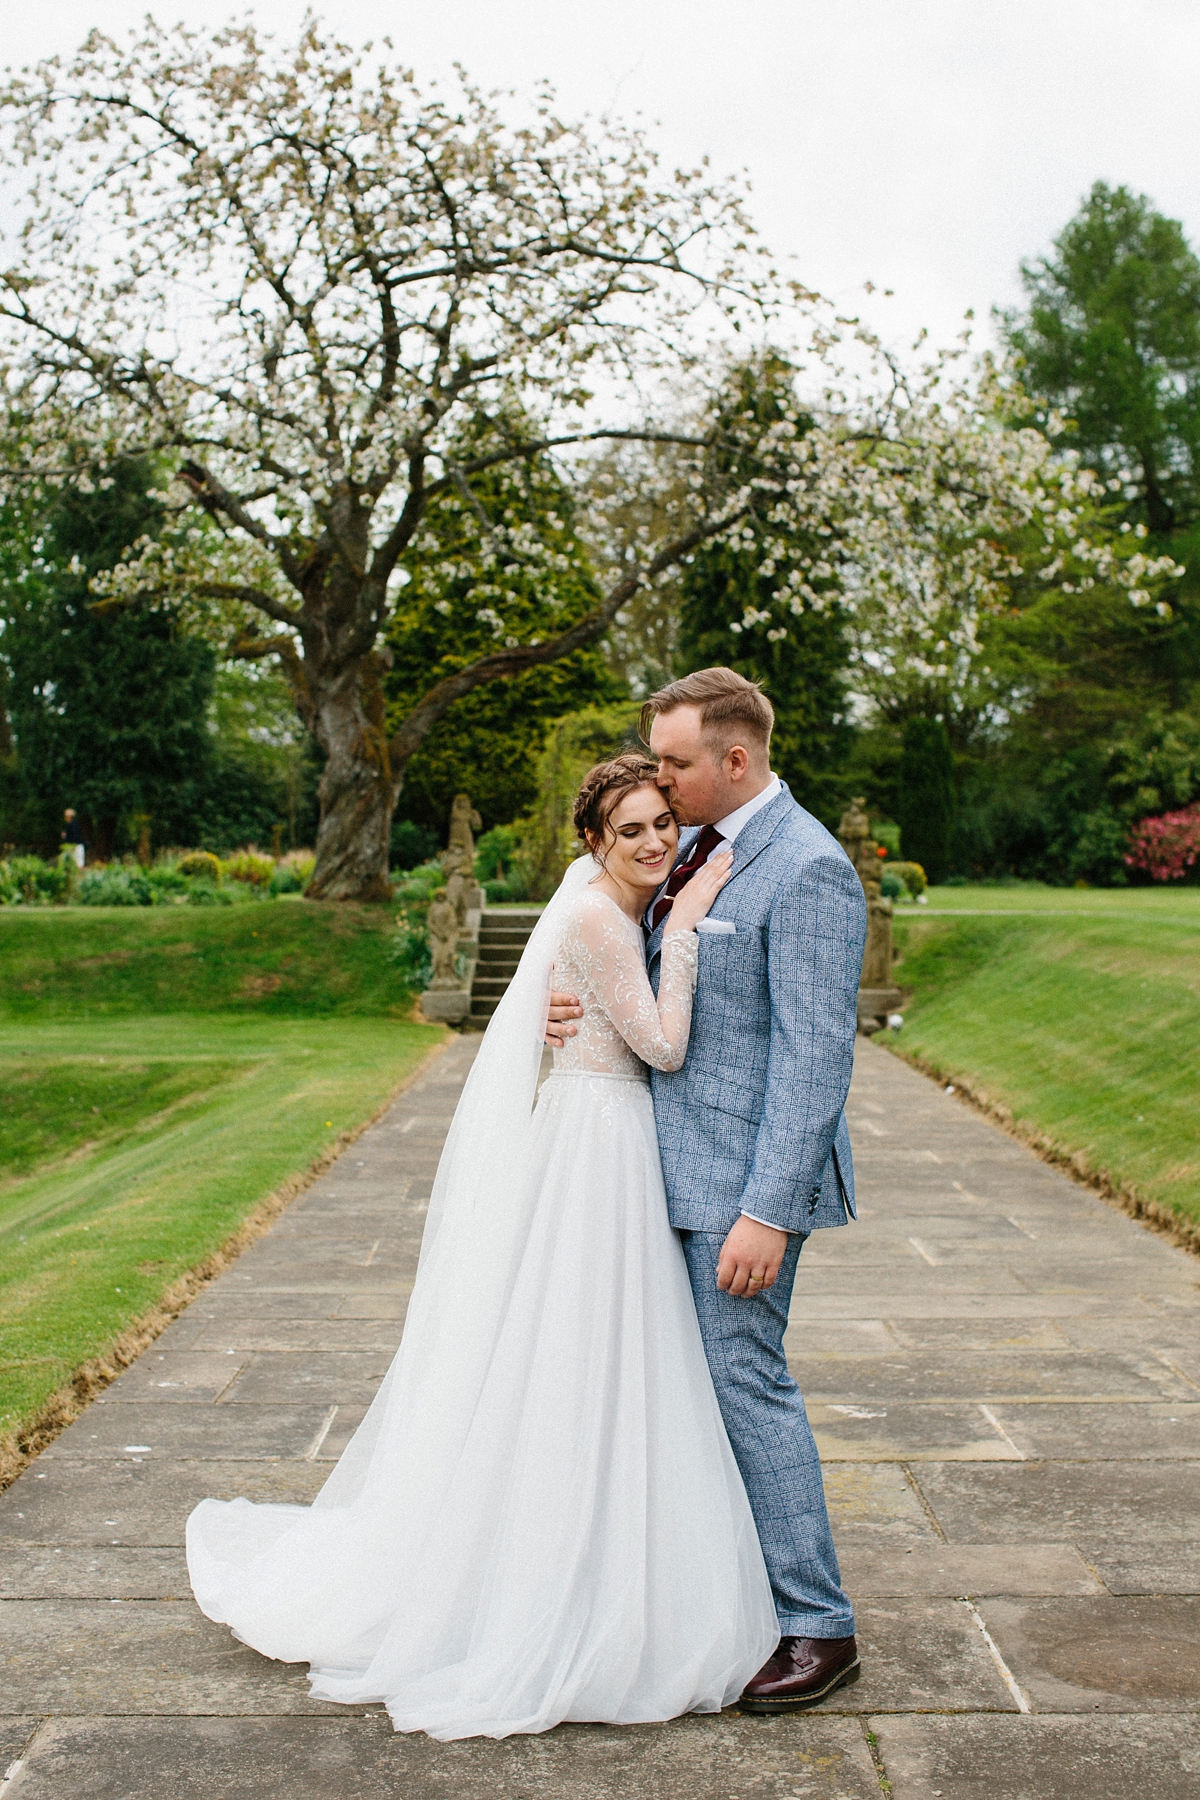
<point>803,1672</point>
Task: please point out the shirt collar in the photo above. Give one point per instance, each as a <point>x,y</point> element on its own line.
<point>733,822</point>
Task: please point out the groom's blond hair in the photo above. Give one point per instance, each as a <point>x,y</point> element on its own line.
<point>732,709</point>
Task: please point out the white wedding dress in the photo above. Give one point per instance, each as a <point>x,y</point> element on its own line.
<point>540,1518</point>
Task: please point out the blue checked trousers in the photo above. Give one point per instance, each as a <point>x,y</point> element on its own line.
<point>771,1438</point>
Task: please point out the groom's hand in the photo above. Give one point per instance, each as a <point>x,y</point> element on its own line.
<point>750,1258</point>
<point>563,1007</point>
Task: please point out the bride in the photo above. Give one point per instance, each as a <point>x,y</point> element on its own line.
<point>540,1517</point>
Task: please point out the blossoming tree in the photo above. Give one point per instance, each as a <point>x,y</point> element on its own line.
<point>303,287</point>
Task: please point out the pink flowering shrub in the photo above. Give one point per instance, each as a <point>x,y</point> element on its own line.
<point>1166,847</point>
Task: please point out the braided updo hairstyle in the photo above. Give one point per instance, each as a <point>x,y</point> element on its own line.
<point>603,787</point>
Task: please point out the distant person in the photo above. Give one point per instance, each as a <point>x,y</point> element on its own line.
<point>72,836</point>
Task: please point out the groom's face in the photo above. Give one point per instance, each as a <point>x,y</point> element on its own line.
<point>701,789</point>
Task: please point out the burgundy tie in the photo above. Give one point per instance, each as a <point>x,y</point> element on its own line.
<point>682,873</point>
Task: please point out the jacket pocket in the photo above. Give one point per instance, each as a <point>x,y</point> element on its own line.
<point>728,1095</point>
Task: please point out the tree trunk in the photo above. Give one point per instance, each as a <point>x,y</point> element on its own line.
<point>344,708</point>
<point>358,790</point>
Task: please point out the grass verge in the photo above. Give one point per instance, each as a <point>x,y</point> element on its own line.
<point>209,1123</point>
<point>1078,1025</point>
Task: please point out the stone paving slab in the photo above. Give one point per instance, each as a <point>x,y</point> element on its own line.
<point>283,1334</point>
<point>908,1433</point>
<point>955,1570</point>
<point>994,1376</point>
<point>922,1653</point>
<point>1167,1431</point>
<point>1004,1375</point>
<point>77,1501</point>
<point>147,1657</point>
<point>362,1759</point>
<point>93,1572</point>
<point>1100,1652</point>
<point>988,1758</point>
<point>177,1374</point>
<point>325,1375</point>
<point>1051,1501</point>
<point>149,1430</point>
<point>14,1735</point>
<point>1170,1568</point>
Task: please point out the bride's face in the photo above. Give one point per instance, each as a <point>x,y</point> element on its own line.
<point>642,838</point>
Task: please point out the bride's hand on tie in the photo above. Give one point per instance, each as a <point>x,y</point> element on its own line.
<point>692,902</point>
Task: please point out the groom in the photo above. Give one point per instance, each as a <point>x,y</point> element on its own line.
<point>754,1144</point>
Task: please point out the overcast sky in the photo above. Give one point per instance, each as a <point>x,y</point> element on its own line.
<point>925,145</point>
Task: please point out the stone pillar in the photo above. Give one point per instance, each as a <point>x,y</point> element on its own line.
<point>453,921</point>
<point>877,992</point>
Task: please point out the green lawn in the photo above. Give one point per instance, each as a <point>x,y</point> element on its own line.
<point>1179,903</point>
<point>155,1087</point>
<point>281,958</point>
<point>1079,1010</point>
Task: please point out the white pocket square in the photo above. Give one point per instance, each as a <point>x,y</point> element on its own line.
<point>719,927</point>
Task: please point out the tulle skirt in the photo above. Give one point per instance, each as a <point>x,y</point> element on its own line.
<point>540,1518</point>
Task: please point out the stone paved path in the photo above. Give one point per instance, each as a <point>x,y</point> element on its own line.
<point>1004,1374</point>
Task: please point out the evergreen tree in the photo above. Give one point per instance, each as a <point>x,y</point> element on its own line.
<point>488,743</point>
<point>925,796</point>
<point>1112,339</point>
<point>264,768</point>
<point>803,674</point>
<point>106,706</point>
<point>726,617</point>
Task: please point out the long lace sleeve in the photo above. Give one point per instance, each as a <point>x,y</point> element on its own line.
<point>608,947</point>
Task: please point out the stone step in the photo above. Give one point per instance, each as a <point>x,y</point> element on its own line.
<point>502,938</point>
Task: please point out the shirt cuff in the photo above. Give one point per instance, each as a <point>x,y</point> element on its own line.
<point>758,1221</point>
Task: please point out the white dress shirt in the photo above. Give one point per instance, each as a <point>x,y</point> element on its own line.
<point>733,822</point>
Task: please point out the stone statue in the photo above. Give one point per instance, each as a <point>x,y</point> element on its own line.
<point>458,860</point>
<point>854,835</point>
<point>878,956</point>
<point>452,921</point>
<point>877,994</point>
<point>464,822</point>
<point>441,922</point>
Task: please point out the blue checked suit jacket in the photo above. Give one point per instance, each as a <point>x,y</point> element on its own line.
<point>754,1120</point>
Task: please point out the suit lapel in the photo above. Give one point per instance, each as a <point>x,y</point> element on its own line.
<point>750,842</point>
<point>754,837</point>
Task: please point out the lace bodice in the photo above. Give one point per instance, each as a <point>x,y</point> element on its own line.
<point>601,957</point>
